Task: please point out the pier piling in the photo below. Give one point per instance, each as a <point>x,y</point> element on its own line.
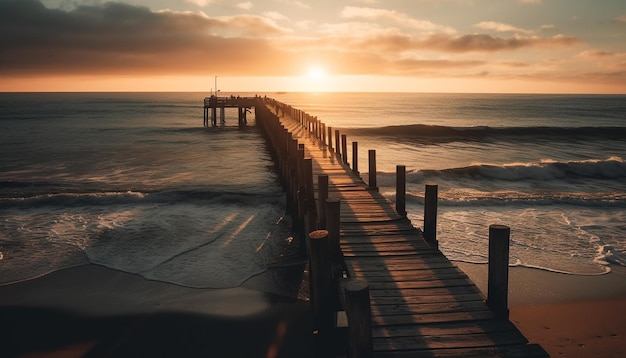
<point>498,271</point>
<point>430,215</point>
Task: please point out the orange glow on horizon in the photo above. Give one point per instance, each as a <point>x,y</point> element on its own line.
<point>316,80</point>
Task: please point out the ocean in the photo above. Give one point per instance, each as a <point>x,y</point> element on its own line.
<point>134,182</point>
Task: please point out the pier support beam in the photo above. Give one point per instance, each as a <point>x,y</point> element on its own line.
<point>321,283</point>
<point>322,193</point>
<point>359,314</point>
<point>498,271</point>
<point>430,215</point>
<point>355,157</point>
<point>372,169</point>
<point>401,190</point>
<point>330,138</point>
<point>344,148</point>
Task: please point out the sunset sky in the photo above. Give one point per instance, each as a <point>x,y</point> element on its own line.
<point>563,46</point>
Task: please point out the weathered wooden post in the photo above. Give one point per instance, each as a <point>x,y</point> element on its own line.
<point>401,190</point>
<point>333,226</point>
<point>498,272</point>
<point>355,157</point>
<point>322,195</point>
<point>359,314</point>
<point>430,215</point>
<point>344,148</point>
<point>310,214</point>
<point>330,138</point>
<point>300,194</point>
<point>293,178</point>
<point>325,317</point>
<point>372,167</point>
<point>337,147</point>
<point>317,128</point>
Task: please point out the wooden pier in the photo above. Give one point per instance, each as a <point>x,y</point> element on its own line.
<point>244,104</point>
<point>379,286</point>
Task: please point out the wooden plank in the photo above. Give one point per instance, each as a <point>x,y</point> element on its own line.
<point>424,260</point>
<point>446,328</point>
<point>428,308</point>
<point>420,299</point>
<point>513,351</point>
<point>419,319</point>
<point>402,285</point>
<point>425,291</point>
<point>481,340</point>
<point>416,273</point>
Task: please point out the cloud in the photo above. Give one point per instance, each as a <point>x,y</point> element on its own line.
<point>296,3</point>
<point>275,15</point>
<point>200,3</point>
<point>597,54</point>
<point>501,27</point>
<point>395,42</point>
<point>620,19</point>
<point>116,38</point>
<point>536,2</point>
<point>425,67</point>
<point>245,5</point>
<point>367,13</point>
<point>488,43</point>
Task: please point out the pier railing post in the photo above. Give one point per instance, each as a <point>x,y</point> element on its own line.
<point>310,218</point>
<point>401,190</point>
<point>344,148</point>
<point>321,282</point>
<point>337,145</point>
<point>372,169</point>
<point>300,192</point>
<point>355,157</point>
<point>498,271</point>
<point>359,314</point>
<point>333,226</point>
<point>322,195</point>
<point>293,179</point>
<point>330,138</point>
<point>430,215</point>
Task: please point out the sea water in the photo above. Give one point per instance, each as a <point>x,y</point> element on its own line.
<point>551,167</point>
<point>133,181</point>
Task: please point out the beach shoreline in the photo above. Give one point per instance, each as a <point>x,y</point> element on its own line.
<point>88,310</point>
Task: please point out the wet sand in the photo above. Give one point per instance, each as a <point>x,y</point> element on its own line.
<point>94,311</point>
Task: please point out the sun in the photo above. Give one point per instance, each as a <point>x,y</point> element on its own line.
<point>316,73</point>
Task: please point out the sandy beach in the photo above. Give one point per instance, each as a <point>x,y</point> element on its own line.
<point>569,316</point>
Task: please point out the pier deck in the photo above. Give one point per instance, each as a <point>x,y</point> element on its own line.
<point>214,102</point>
<point>422,304</point>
